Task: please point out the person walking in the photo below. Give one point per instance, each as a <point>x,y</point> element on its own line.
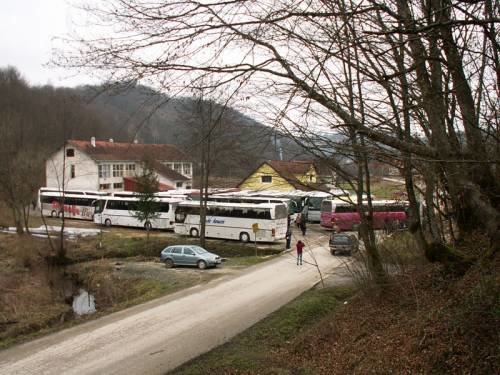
<point>288,237</point>
<point>298,220</point>
<point>303,225</point>
<point>300,248</point>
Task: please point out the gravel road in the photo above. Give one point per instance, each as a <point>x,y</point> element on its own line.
<point>160,335</point>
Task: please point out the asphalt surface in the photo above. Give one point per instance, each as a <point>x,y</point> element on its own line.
<point>162,334</point>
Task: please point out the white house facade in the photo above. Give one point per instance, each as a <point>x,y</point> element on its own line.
<point>113,166</point>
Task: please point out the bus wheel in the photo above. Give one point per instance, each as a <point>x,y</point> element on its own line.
<point>107,222</point>
<point>53,213</point>
<point>244,237</point>
<point>202,265</point>
<point>193,232</point>
<point>148,225</point>
<point>60,214</point>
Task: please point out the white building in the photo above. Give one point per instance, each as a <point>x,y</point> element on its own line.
<point>113,166</point>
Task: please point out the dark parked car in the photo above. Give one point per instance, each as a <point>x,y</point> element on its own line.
<point>343,243</point>
<point>189,255</point>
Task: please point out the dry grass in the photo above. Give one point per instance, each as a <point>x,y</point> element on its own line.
<point>425,322</point>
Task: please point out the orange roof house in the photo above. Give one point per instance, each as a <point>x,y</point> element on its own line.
<point>113,166</point>
<point>281,175</point>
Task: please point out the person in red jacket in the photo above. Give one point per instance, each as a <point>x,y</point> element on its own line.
<point>300,247</point>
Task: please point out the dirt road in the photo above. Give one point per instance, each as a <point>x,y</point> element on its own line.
<point>158,336</point>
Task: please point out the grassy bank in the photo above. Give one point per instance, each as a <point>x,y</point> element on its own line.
<point>422,321</point>
<point>252,351</point>
<point>121,269</point>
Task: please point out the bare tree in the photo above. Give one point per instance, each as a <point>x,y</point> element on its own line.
<point>419,62</point>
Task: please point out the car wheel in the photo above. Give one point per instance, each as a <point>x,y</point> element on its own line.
<point>202,264</point>
<point>244,237</point>
<point>60,214</point>
<point>169,263</point>
<point>107,222</point>
<point>148,225</point>
<point>194,232</point>
<point>53,213</point>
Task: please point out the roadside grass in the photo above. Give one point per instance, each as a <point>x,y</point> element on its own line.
<point>36,298</point>
<point>381,189</point>
<point>252,350</point>
<point>125,243</point>
<point>247,261</point>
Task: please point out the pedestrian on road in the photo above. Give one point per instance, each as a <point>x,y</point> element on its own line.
<point>298,220</point>
<point>300,247</point>
<point>303,225</point>
<point>288,237</point>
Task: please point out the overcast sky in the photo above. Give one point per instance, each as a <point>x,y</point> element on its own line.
<point>27,28</point>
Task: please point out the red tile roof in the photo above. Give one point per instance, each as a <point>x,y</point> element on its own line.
<point>131,184</point>
<point>124,151</point>
<point>295,167</point>
<point>168,172</point>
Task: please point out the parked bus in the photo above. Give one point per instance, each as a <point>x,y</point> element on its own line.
<point>233,220</point>
<point>78,192</point>
<point>387,214</point>
<point>120,211</point>
<point>250,196</point>
<point>313,202</point>
<point>253,199</point>
<point>75,206</point>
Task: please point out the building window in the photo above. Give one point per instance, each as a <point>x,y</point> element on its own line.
<point>187,169</point>
<point>130,170</point>
<point>104,186</point>
<point>118,185</point>
<point>266,179</point>
<point>178,184</point>
<point>117,170</point>
<point>73,172</point>
<point>104,171</point>
<point>178,167</point>
<point>188,187</point>
<point>70,152</point>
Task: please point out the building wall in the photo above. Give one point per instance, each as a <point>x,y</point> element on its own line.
<point>309,177</point>
<point>86,177</point>
<point>185,168</point>
<point>87,173</point>
<point>254,181</point>
<point>109,182</point>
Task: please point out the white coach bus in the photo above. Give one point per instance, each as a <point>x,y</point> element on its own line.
<point>75,206</point>
<point>120,211</point>
<point>233,220</point>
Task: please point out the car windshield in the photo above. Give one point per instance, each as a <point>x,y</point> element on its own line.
<point>341,240</point>
<point>199,250</point>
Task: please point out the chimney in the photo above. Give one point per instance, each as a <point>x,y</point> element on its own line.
<point>92,141</point>
<point>111,140</point>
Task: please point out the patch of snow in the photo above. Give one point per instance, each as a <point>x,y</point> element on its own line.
<point>84,303</point>
<point>68,231</point>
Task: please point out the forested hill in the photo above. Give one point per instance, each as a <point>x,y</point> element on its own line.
<point>239,145</point>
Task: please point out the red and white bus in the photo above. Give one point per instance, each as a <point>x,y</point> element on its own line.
<point>75,206</point>
<point>387,214</point>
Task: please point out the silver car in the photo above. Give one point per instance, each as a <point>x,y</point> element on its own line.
<point>189,255</point>
<point>343,243</point>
